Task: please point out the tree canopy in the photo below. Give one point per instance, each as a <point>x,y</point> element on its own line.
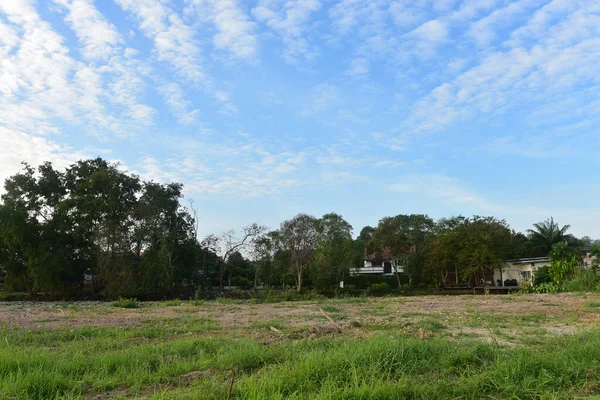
<point>131,237</point>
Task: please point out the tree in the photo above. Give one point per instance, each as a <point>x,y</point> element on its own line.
<point>336,251</point>
<point>485,244</point>
<point>300,237</point>
<point>595,253</point>
<point>133,237</point>
<point>230,243</point>
<point>366,234</point>
<point>545,234</point>
<point>403,237</point>
<point>263,255</point>
<point>469,248</point>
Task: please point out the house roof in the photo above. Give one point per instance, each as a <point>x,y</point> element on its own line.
<point>528,260</point>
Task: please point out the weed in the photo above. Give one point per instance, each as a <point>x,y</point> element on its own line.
<point>172,303</point>
<point>126,303</point>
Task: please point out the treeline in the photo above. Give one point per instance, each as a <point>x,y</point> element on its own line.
<point>94,223</point>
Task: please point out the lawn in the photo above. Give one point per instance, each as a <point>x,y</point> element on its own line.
<point>422,347</point>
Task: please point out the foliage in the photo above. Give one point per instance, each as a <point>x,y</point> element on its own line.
<point>135,239</point>
<point>366,281</point>
<point>542,275</point>
<point>469,248</point>
<point>562,250</point>
<point>546,287</point>
<point>380,287</point>
<point>563,269</point>
<point>126,303</point>
<point>132,237</point>
<point>300,237</point>
<point>545,234</point>
<point>585,280</point>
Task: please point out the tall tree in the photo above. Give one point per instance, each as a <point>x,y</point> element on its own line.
<point>300,237</point>
<point>403,237</point>
<point>230,242</point>
<point>545,234</point>
<point>336,250</point>
<point>263,255</point>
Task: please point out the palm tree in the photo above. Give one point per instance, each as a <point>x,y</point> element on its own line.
<point>546,234</point>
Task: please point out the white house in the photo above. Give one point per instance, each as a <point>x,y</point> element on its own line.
<point>374,267</point>
<point>518,271</point>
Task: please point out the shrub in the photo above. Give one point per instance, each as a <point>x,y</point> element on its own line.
<point>365,281</point>
<point>240,282</point>
<point>584,281</point>
<point>542,275</point>
<point>126,303</point>
<point>546,287</point>
<point>4,296</point>
<point>380,287</point>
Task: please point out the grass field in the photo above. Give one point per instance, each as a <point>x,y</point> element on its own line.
<point>427,347</point>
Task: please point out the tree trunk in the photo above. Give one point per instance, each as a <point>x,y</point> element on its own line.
<point>221,275</point>
<point>456,273</point>
<point>398,278</point>
<point>299,281</point>
<point>202,274</point>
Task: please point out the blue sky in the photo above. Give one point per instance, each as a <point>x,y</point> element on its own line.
<point>267,108</point>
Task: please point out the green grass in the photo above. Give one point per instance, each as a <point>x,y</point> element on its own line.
<point>126,303</point>
<point>12,296</point>
<point>89,361</point>
<point>383,352</point>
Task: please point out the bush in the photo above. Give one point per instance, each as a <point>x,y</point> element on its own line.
<point>4,296</point>
<point>365,282</point>
<point>241,282</point>
<point>542,275</point>
<point>547,287</point>
<point>584,281</point>
<point>380,287</point>
<point>126,303</point>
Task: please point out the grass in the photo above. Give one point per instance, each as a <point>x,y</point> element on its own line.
<point>126,303</point>
<point>92,361</point>
<point>189,352</point>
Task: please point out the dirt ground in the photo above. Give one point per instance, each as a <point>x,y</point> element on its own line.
<point>506,318</point>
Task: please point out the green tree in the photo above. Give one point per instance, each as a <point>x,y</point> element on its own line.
<point>300,237</point>
<point>545,234</point>
<point>336,251</point>
<point>93,218</point>
<point>403,237</point>
<point>469,248</point>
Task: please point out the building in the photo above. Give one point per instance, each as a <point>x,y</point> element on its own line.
<point>518,271</point>
<point>375,267</point>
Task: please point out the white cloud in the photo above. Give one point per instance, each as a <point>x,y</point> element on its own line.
<point>484,31</point>
<point>180,107</point>
<point>290,20</point>
<point>17,147</point>
<point>543,74</point>
<point>433,31</point>
<point>43,86</point>
<point>235,32</point>
<point>359,67</point>
<point>97,36</point>
<point>174,41</point>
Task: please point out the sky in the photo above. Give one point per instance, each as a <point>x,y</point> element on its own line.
<point>264,109</point>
